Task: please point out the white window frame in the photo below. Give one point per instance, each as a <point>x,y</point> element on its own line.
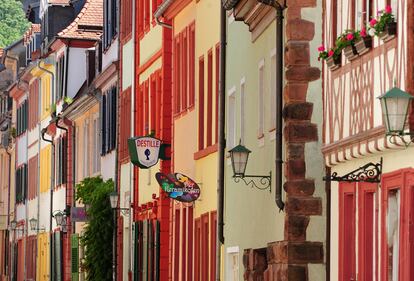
<point>243,110</point>
<point>233,274</point>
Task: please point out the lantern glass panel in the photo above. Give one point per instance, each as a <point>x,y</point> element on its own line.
<point>33,223</point>
<point>394,112</point>
<point>113,197</point>
<point>239,161</point>
<point>59,218</point>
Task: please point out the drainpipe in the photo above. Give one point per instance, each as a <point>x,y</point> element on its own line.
<point>160,12</point>
<point>52,182</point>
<point>221,140</point>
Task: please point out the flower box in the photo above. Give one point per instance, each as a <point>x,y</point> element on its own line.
<point>363,45</point>
<point>389,32</point>
<point>350,52</point>
<point>333,64</point>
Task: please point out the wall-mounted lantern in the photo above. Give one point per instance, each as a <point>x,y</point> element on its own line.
<point>239,157</point>
<point>395,104</point>
<point>113,199</point>
<point>33,225</point>
<point>60,217</point>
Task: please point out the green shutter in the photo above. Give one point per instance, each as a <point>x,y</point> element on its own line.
<point>75,257</point>
<point>58,256</point>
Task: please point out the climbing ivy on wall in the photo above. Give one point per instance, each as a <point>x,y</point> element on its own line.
<point>97,237</point>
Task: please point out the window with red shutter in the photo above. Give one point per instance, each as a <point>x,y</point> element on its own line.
<point>204,246</point>
<point>146,108</point>
<point>191,67</point>
<point>217,89</point>
<point>213,249</point>
<point>125,124</point>
<point>177,76</point>
<point>126,20</point>
<point>197,250</point>
<point>177,245</point>
<point>184,68</point>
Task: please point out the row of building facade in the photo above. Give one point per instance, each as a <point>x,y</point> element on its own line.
<point>204,76</point>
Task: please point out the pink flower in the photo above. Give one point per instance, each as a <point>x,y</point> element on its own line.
<point>363,32</point>
<point>388,9</point>
<point>321,48</point>
<point>330,53</point>
<point>349,36</point>
<point>372,22</point>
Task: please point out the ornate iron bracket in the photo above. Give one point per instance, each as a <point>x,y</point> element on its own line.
<point>259,182</point>
<point>370,172</point>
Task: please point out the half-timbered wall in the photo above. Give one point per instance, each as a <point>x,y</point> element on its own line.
<point>352,112</point>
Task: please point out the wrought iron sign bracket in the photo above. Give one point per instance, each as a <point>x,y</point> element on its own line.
<point>370,172</point>
<point>259,182</point>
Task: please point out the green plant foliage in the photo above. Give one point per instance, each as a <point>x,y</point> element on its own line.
<point>13,22</point>
<point>97,238</point>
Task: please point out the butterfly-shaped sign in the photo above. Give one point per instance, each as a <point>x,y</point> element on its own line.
<point>179,187</point>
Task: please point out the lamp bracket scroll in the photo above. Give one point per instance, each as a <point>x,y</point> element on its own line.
<point>258,182</point>
<point>370,172</point>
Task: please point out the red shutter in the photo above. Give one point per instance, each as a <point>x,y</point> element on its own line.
<point>158,104</point>
<point>217,89</point>
<point>367,233</point>
<point>177,245</point>
<point>191,67</point>
<point>184,67</point>
<point>210,98</point>
<point>177,72</point>
<point>201,103</point>
<point>184,235</point>
<point>140,19</point>
<point>153,104</point>
<point>146,107</point>
<point>346,231</point>
<point>204,246</point>
<point>147,15</point>
<point>197,250</point>
<point>125,124</point>
<point>190,236</point>
<point>213,246</point>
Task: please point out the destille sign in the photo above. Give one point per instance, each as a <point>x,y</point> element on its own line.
<point>144,151</point>
<point>179,187</point>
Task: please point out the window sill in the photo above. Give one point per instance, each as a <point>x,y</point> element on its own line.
<point>206,151</point>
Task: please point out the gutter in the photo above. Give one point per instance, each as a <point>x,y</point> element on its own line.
<point>160,12</point>
<point>52,182</point>
<point>221,140</point>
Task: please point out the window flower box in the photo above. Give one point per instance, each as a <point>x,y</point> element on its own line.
<point>350,52</point>
<point>334,62</point>
<point>389,32</point>
<point>363,45</point>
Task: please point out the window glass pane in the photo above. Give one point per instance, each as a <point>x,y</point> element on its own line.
<point>393,225</point>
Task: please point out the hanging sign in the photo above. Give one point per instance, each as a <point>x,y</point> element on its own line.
<point>179,187</point>
<point>144,151</point>
<point>78,214</point>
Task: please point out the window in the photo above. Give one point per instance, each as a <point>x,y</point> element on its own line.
<point>46,97</point>
<point>201,103</point>
<point>184,69</point>
<point>33,104</point>
<point>273,90</point>
<point>204,247</point>
<point>61,160</point>
<point>108,120</point>
<point>125,123</point>
<point>22,118</point>
<point>232,264</point>
<point>260,111</point>
<point>60,77</point>
<point>86,149</point>
<point>393,234</point>
<point>45,168</point>
<point>126,20</point>
<point>242,109</point>
<point>21,184</point>
<point>213,247</point>
<point>231,119</point>
<point>31,245</point>
<point>33,176</point>
<point>110,22</point>
<point>96,157</point>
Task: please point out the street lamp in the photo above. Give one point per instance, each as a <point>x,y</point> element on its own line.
<point>239,156</point>
<point>13,224</point>
<point>33,225</point>
<point>60,217</point>
<point>395,104</point>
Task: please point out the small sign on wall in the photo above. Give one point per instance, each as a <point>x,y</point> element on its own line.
<point>179,187</point>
